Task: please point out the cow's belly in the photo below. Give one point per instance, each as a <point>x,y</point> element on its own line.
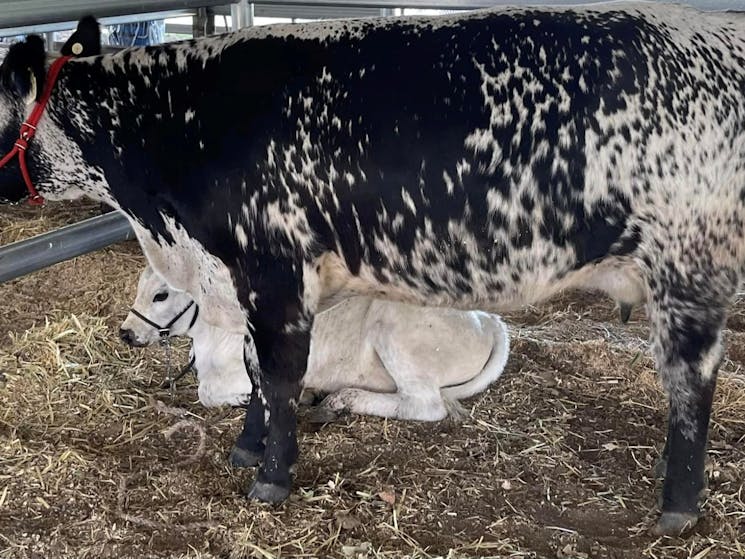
<point>619,277</point>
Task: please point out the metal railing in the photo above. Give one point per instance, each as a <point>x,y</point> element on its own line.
<point>705,5</point>
<point>29,255</point>
<point>18,17</point>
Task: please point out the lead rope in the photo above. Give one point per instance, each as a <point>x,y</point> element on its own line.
<point>182,373</point>
<point>165,342</point>
<point>200,428</point>
<point>165,338</point>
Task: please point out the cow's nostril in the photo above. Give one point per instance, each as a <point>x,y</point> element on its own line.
<point>126,336</point>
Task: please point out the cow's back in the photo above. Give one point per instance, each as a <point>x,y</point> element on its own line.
<point>506,150</point>
<point>474,158</point>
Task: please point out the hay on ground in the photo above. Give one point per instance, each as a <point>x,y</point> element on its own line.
<point>554,460</point>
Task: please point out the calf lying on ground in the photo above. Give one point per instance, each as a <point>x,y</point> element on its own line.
<point>475,160</point>
<point>372,357</point>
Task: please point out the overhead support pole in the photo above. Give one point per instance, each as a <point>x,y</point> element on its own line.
<point>29,255</point>
<point>705,5</point>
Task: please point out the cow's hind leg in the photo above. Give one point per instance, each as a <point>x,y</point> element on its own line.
<point>687,314</point>
<point>660,466</point>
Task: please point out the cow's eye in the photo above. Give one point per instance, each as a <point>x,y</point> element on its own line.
<point>162,296</point>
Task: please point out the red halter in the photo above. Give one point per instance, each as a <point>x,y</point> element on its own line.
<point>28,129</point>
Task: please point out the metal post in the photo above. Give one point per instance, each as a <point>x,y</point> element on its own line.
<point>16,13</point>
<point>204,23</point>
<point>26,256</point>
<point>242,14</point>
<point>49,39</point>
<point>249,20</point>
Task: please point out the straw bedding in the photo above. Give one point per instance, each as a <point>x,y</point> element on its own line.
<point>553,461</point>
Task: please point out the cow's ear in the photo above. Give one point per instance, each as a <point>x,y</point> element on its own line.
<point>22,71</point>
<point>85,41</point>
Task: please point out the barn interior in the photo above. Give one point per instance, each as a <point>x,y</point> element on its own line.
<point>98,459</point>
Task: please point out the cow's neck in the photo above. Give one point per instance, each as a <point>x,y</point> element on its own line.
<point>100,139</point>
<point>105,115</point>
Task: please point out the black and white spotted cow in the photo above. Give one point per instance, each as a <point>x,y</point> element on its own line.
<point>481,160</point>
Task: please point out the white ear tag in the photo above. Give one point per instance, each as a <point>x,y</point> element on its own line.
<point>77,49</point>
<point>31,97</point>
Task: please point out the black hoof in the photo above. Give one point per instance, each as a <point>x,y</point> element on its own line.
<point>268,492</point>
<point>242,458</point>
<point>660,469</point>
<point>674,523</point>
<point>625,312</point>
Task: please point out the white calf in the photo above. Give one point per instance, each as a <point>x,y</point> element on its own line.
<point>374,357</point>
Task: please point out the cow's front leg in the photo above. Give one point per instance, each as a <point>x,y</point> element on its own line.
<point>687,320</point>
<point>283,357</point>
<point>248,449</point>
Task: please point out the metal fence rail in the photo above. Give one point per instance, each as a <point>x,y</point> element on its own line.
<point>29,255</point>
<point>705,5</point>
<point>21,13</point>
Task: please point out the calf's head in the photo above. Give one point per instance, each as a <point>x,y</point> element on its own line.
<point>156,307</point>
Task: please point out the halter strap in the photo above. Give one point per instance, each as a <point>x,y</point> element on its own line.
<point>28,130</point>
<point>165,331</point>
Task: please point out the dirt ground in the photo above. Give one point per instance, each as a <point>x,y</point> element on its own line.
<point>553,461</point>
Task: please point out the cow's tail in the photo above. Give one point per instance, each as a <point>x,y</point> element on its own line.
<point>490,372</point>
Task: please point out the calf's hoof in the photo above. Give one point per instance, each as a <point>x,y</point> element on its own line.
<point>243,458</point>
<point>322,414</point>
<point>674,523</point>
<point>311,397</point>
<point>268,492</point>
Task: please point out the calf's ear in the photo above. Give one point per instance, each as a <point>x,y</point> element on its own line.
<point>22,71</point>
<point>85,41</point>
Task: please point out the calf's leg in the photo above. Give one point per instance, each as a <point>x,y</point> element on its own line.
<point>427,405</point>
<point>417,395</point>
